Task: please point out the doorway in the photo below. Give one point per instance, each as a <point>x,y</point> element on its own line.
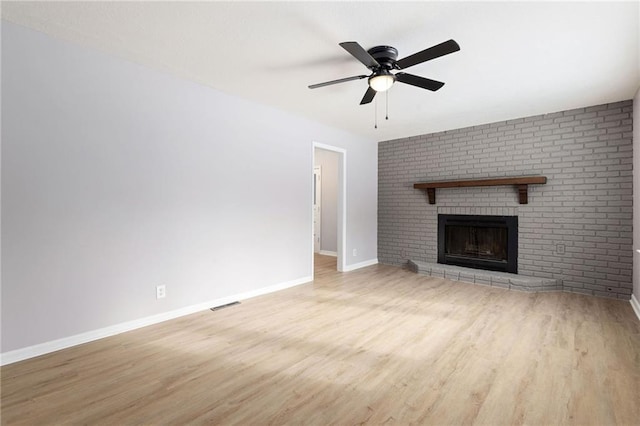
<point>329,204</point>
<point>317,208</point>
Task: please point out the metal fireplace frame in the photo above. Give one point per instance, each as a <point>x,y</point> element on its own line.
<point>508,222</point>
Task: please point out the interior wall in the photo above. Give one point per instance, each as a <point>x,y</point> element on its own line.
<point>117,178</point>
<point>576,229</point>
<point>329,163</point>
<point>636,195</point>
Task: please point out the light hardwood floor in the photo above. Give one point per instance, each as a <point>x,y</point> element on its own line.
<point>377,345</point>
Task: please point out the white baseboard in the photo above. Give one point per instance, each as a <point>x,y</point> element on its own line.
<point>635,305</point>
<point>78,339</point>
<point>328,253</point>
<point>359,265</point>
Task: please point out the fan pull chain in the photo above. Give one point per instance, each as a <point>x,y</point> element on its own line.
<point>387,111</point>
<point>375,106</point>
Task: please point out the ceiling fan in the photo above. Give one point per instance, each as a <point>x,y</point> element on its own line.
<point>382,59</point>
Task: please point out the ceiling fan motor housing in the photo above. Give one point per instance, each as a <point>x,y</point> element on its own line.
<point>385,55</point>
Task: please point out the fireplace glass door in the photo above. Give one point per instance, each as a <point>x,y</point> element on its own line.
<point>476,242</point>
<point>482,242</point>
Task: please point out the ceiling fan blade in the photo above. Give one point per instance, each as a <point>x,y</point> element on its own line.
<point>341,80</point>
<point>360,54</point>
<point>418,81</point>
<point>368,96</point>
<point>433,52</point>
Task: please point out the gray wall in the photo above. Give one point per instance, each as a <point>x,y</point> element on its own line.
<point>586,204</point>
<point>636,195</point>
<point>117,178</point>
<point>328,161</point>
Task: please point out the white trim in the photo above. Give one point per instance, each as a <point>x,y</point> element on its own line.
<point>328,253</point>
<point>360,265</point>
<point>313,178</point>
<point>635,305</point>
<point>317,201</point>
<point>78,339</point>
<point>342,204</point>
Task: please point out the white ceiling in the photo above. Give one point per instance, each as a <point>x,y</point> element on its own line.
<point>516,59</point>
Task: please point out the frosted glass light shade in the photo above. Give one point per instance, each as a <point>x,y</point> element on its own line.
<point>381,82</point>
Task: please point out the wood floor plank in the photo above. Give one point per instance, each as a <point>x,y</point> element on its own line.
<point>380,345</point>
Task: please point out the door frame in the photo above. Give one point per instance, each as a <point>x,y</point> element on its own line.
<point>342,202</point>
<point>317,209</point>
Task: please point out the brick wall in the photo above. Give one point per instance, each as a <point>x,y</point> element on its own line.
<point>585,207</point>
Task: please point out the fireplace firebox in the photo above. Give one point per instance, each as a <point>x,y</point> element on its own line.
<point>481,242</point>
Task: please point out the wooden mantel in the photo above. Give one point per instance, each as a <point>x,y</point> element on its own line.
<point>521,182</point>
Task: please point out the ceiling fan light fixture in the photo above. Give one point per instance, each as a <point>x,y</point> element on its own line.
<point>382,81</point>
<point>380,60</point>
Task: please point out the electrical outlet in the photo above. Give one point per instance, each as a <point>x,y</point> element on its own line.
<point>355,252</point>
<point>560,248</point>
<point>161,292</point>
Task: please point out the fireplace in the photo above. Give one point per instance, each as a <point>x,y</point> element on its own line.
<point>481,242</point>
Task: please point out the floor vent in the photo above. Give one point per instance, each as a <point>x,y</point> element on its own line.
<point>217,308</point>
